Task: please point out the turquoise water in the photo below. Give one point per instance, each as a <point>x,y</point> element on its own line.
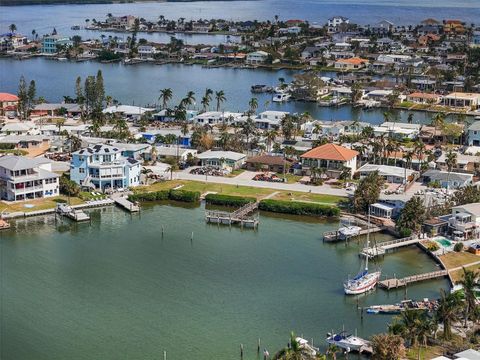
<point>118,290</point>
<point>444,242</point>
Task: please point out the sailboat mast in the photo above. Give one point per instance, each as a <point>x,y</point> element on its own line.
<point>368,239</point>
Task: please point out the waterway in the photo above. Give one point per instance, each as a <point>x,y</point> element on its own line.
<point>117,289</point>
<point>140,85</point>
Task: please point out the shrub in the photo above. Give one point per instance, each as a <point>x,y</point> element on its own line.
<point>150,196</point>
<point>458,247</point>
<point>298,208</point>
<point>228,200</point>
<point>431,245</point>
<point>184,195</point>
<point>68,187</point>
<point>404,232</point>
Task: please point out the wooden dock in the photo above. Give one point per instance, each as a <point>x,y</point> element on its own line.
<point>72,213</point>
<point>239,216</point>
<point>382,248</point>
<point>332,236</point>
<point>396,283</point>
<point>126,204</point>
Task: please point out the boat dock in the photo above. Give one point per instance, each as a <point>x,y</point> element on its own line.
<point>72,213</point>
<point>332,236</point>
<point>239,216</point>
<point>381,249</point>
<point>396,283</point>
<point>126,204</point>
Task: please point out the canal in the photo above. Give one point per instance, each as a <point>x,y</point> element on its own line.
<point>117,289</point>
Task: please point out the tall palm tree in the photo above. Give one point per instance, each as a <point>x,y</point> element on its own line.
<point>165,96</point>
<point>270,136</point>
<point>220,97</point>
<point>189,99</point>
<point>451,162</point>
<point>449,307</point>
<point>248,129</point>
<point>469,283</point>
<point>12,28</point>
<point>253,105</point>
<point>205,103</point>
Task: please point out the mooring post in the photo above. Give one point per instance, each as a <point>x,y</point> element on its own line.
<point>258,346</point>
<point>241,351</point>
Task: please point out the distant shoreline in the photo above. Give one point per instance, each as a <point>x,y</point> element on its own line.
<point>88,2</point>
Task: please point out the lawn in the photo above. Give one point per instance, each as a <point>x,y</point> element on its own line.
<point>425,353</point>
<point>250,191</point>
<point>454,259</point>
<point>235,173</point>
<point>38,204</point>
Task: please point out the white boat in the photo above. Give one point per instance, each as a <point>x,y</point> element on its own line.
<point>347,341</point>
<point>364,281</point>
<point>303,344</point>
<point>281,97</point>
<point>349,231</point>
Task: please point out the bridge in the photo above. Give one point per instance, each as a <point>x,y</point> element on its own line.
<point>396,283</point>
<point>382,248</point>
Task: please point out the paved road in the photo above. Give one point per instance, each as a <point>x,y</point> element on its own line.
<point>245,180</point>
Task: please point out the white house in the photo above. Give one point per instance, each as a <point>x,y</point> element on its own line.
<point>256,57</point>
<point>225,159</point>
<point>146,51</point>
<point>23,178</point>
<point>465,221</point>
<point>462,100</point>
<point>270,119</point>
<point>473,134</point>
<point>392,174</point>
<point>216,117</point>
<point>128,111</point>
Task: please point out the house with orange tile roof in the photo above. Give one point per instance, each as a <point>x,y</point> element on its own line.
<point>354,63</point>
<point>424,98</point>
<point>8,104</point>
<point>331,158</point>
<point>453,26</point>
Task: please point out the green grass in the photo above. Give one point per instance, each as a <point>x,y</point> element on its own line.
<point>87,196</point>
<point>235,173</point>
<point>39,204</point>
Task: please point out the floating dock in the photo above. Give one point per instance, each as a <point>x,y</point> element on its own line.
<point>381,248</point>
<point>240,216</point>
<point>74,214</point>
<point>332,236</point>
<point>396,283</point>
<point>126,204</point>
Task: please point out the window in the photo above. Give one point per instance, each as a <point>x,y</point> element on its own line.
<point>81,170</point>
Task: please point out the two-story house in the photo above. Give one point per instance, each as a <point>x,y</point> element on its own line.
<point>464,221</point>
<point>103,166</point>
<point>8,104</point>
<point>22,178</point>
<point>51,43</point>
<point>330,157</point>
<point>473,135</point>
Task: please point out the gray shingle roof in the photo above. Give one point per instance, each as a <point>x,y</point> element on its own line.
<point>13,162</point>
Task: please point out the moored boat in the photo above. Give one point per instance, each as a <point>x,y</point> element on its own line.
<point>347,341</point>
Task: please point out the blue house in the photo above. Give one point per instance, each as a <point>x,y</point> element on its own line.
<point>103,166</point>
<point>50,43</point>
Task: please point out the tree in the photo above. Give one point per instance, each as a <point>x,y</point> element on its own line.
<point>410,118</point>
<point>288,126</point>
<point>368,191</point>
<point>165,96</point>
<point>448,311</point>
<point>253,105</point>
<point>12,28</point>
<point>451,162</point>
<point>189,99</point>
<point>31,94</point>
<point>388,347</point>
<point>467,195</point>
<point>22,98</point>
<point>346,173</point>
<point>68,187</point>
<point>469,284</point>
<point>270,136</point>
<point>413,215</point>
<point>248,129</point>
<point>220,97</point>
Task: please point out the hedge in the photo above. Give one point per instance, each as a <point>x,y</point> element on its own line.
<point>298,208</point>
<point>228,200</point>
<point>178,195</point>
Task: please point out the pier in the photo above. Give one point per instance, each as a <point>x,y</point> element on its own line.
<point>332,236</point>
<point>239,216</point>
<point>126,204</point>
<point>396,283</point>
<point>382,248</point>
<point>74,214</point>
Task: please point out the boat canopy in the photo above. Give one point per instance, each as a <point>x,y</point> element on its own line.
<point>362,274</point>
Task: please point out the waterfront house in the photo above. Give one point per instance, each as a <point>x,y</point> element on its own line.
<point>354,63</point>
<point>256,57</point>
<point>464,221</point>
<point>146,51</point>
<point>465,163</point>
<point>398,130</point>
<point>103,166</point>
<point>8,104</point>
<point>59,109</point>
<point>391,174</point>
<point>470,101</point>
<point>23,178</point>
<point>423,98</point>
<point>129,112</point>
<point>473,134</point>
<point>225,159</point>
<point>216,117</point>
<point>331,158</point>
<point>270,119</point>
<point>448,180</point>
<point>378,95</point>
<point>52,43</point>
<point>272,163</point>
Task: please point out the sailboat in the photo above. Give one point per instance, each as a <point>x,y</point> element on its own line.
<point>364,281</point>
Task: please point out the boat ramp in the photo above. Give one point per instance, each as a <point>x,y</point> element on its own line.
<point>396,283</point>
<point>381,248</point>
<point>240,216</point>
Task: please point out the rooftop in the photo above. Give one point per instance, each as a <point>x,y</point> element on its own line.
<point>8,97</point>
<point>331,152</point>
<point>14,162</point>
<point>231,155</point>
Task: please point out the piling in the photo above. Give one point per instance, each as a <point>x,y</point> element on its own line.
<point>241,351</point>
<point>258,346</point>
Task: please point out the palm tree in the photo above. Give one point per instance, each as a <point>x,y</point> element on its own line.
<point>12,28</point>
<point>438,121</point>
<point>448,311</point>
<point>270,136</point>
<point>410,119</point>
<point>189,99</point>
<point>205,103</point>
<point>332,351</point>
<point>220,97</point>
<point>248,129</point>
<point>469,284</point>
<point>253,104</point>
<point>165,96</point>
<point>451,162</point>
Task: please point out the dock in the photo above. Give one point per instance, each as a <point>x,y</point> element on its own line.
<point>332,236</point>
<point>126,204</point>
<point>396,283</point>
<point>240,216</point>
<point>381,249</point>
<point>72,213</point>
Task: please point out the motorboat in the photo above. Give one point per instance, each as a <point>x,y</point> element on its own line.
<point>309,348</point>
<point>349,231</point>
<point>364,281</point>
<point>347,341</point>
<point>258,89</point>
<point>281,97</point>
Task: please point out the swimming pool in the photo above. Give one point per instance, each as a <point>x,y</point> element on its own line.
<point>444,242</point>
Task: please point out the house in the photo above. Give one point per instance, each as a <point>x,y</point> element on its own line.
<point>423,98</point>
<point>453,27</point>
<point>462,100</point>
<point>330,157</point>
<point>277,164</point>
<point>379,95</point>
<point>60,109</point>
<point>391,174</point>
<point>311,52</point>
<point>473,134</point>
<point>465,163</point>
<point>129,112</point>
<point>23,178</point>
<point>146,51</point>
<point>175,133</point>
<point>257,57</point>
<point>224,159</point>
<point>382,28</point>
<point>270,119</point>
<point>8,104</point>
<point>393,58</point>
<point>464,222</point>
<point>398,130</point>
<point>103,166</point>
<point>166,116</point>
<point>168,152</point>
<point>17,128</point>
<point>33,144</point>
<point>334,23</point>
<point>448,180</point>
<point>292,30</point>
<point>354,63</point>
<point>52,43</point>
<point>133,150</point>
<point>216,117</point>
<point>121,22</point>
